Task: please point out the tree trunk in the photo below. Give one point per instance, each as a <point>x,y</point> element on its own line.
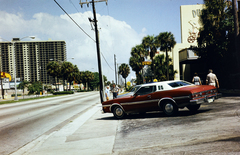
<point>167,65</point>
<point>125,83</point>
<point>153,69</point>
<point>69,89</point>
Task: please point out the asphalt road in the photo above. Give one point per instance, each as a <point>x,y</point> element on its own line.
<point>75,125</point>
<point>22,122</point>
<point>215,129</point>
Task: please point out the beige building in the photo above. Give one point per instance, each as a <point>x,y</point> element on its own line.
<point>184,60</point>
<point>32,58</point>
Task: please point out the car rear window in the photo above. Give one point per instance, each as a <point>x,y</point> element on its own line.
<point>179,84</point>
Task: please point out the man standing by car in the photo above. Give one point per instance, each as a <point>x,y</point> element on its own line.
<point>212,79</point>
<point>114,91</point>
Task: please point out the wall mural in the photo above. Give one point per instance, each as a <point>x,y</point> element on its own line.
<point>194,32</point>
<point>194,24</point>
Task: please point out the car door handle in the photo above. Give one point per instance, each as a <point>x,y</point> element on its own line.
<point>149,96</point>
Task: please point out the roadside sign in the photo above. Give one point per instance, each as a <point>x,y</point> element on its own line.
<point>6,75</point>
<point>146,63</point>
<point>5,83</point>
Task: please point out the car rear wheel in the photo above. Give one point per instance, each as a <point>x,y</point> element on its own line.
<point>169,108</point>
<point>193,108</point>
<point>118,112</point>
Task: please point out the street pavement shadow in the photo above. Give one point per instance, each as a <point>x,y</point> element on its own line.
<point>157,114</point>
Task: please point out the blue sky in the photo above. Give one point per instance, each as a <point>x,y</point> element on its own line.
<point>122,25</point>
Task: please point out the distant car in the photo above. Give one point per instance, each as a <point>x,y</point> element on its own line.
<point>167,96</point>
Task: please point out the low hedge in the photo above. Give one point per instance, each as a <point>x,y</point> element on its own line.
<point>17,95</point>
<point>63,92</point>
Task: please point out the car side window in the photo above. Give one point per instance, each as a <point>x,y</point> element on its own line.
<point>146,90</point>
<point>160,87</point>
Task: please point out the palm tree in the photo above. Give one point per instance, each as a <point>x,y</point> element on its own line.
<point>138,54</point>
<point>82,79</point>
<point>24,84</point>
<point>166,41</point>
<point>67,69</point>
<point>73,75</point>
<point>89,76</point>
<point>124,70</point>
<point>161,68</point>
<point>79,77</point>
<point>53,69</point>
<point>150,44</point>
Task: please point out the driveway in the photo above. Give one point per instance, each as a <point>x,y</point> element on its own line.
<point>215,129</point>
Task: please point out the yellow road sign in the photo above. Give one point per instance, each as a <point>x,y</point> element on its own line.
<point>6,75</point>
<point>146,62</point>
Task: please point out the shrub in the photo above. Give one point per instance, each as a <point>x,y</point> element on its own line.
<point>63,92</point>
<point>51,91</point>
<point>17,95</point>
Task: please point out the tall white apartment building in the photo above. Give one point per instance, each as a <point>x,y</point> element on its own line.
<point>31,58</point>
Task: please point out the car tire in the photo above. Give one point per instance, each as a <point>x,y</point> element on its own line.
<point>118,112</point>
<point>169,108</point>
<point>194,108</point>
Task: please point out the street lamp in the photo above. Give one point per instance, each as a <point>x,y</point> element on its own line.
<point>15,76</point>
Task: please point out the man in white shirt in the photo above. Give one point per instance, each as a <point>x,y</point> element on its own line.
<point>212,79</point>
<point>114,91</point>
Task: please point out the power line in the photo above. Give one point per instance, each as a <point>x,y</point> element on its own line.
<point>78,10</point>
<point>82,29</point>
<point>73,5</point>
<point>106,61</point>
<point>74,21</point>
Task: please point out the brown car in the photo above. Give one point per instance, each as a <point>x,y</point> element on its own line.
<point>167,96</point>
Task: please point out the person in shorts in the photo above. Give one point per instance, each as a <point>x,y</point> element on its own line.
<point>196,79</point>
<point>212,79</point>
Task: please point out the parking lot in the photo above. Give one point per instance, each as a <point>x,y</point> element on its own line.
<point>215,129</point>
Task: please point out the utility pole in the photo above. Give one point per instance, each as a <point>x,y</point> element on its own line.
<point>97,45</point>
<point>115,68</point>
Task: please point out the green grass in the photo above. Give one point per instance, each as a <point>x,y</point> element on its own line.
<point>28,99</point>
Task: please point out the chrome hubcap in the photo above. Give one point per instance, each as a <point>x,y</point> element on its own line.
<point>119,111</point>
<point>169,108</point>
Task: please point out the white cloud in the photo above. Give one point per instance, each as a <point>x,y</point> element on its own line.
<point>144,30</point>
<point>116,37</point>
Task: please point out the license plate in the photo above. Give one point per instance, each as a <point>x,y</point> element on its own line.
<point>210,100</point>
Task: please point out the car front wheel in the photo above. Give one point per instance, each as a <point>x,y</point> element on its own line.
<point>193,108</point>
<point>118,112</point>
<point>169,108</point>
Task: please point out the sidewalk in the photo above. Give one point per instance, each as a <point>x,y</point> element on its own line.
<point>91,133</point>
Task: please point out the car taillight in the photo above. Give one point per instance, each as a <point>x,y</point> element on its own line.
<point>212,91</point>
<point>204,93</point>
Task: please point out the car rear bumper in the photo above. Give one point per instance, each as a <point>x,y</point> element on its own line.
<point>206,99</point>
